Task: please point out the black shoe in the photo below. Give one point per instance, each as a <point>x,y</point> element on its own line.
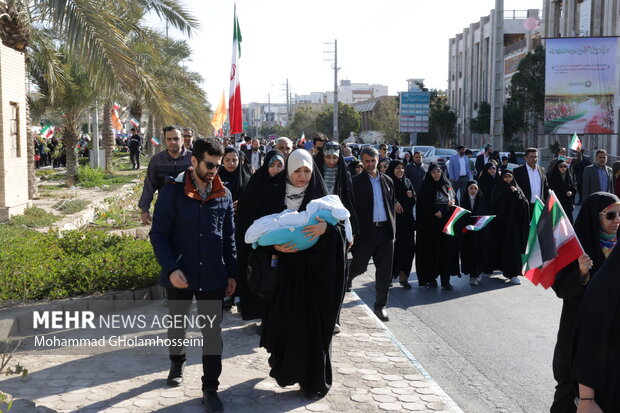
<point>405,284</point>
<point>212,402</point>
<point>381,314</point>
<point>432,284</point>
<point>447,287</point>
<point>175,377</point>
<point>349,285</point>
<point>309,394</point>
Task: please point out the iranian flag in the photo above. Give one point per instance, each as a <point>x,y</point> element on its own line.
<point>155,141</point>
<point>481,222</point>
<point>134,122</point>
<point>234,98</point>
<point>575,143</point>
<point>47,131</point>
<point>552,243</point>
<point>456,215</point>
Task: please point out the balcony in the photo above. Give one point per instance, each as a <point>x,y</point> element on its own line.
<point>519,14</point>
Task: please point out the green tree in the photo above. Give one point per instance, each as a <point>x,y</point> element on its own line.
<point>304,120</point>
<point>442,120</point>
<point>482,122</point>
<point>526,103</point>
<point>278,130</point>
<point>348,121</point>
<point>384,118</point>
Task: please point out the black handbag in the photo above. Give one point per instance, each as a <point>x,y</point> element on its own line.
<point>262,273</point>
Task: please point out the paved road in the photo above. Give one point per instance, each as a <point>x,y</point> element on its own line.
<point>489,347</point>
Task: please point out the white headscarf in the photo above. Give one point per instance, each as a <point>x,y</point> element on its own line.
<point>294,195</point>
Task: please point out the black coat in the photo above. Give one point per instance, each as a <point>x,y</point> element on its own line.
<point>474,249</point>
<point>487,184</point>
<point>362,190</point>
<point>511,227</point>
<point>597,338</point>
<point>404,247</point>
<point>570,286</point>
<point>523,180</point>
<point>561,186</point>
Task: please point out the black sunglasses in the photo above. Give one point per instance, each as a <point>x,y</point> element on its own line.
<point>211,165</point>
<point>611,215</point>
<point>562,166</point>
<point>187,136</point>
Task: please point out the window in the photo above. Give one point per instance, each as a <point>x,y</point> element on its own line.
<point>15,138</point>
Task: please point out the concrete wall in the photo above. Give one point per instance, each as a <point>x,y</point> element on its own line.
<point>13,161</point>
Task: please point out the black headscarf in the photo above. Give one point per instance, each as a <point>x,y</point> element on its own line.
<point>588,224</point>
<point>410,158</point>
<point>237,180</point>
<point>401,185</point>
<point>479,207</point>
<point>443,184</point>
<point>316,187</point>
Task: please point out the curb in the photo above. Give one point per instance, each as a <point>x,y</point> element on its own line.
<point>439,391</point>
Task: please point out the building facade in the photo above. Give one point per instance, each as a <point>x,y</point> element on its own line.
<point>13,147</point>
<point>582,18</point>
<point>348,93</point>
<point>471,64</point>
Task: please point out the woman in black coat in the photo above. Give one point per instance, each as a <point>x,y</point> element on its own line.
<point>404,247</point>
<point>561,182</point>
<point>511,207</point>
<point>235,172</point>
<point>437,253</point>
<point>596,238</point>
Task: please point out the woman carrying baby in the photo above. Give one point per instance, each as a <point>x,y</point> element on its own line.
<point>299,321</point>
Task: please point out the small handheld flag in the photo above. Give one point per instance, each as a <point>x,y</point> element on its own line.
<point>575,143</point>
<point>456,215</point>
<point>134,122</point>
<point>155,141</point>
<point>481,222</point>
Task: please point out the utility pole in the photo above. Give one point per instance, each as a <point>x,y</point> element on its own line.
<point>288,101</point>
<point>497,80</point>
<point>336,68</point>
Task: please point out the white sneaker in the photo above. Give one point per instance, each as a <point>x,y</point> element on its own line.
<point>473,281</point>
<point>337,328</point>
<point>515,280</point>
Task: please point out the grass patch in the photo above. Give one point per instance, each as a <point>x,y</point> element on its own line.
<point>71,206</point>
<point>51,187</point>
<point>89,177</point>
<point>35,266</point>
<point>34,217</point>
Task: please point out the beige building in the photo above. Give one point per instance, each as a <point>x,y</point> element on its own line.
<point>471,66</point>
<point>13,153</point>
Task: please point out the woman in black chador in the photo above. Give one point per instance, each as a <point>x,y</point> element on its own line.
<point>487,181</point>
<point>512,211</point>
<point>597,358</point>
<point>251,206</point>
<point>561,182</point>
<point>597,235</point>
<point>299,322</point>
<point>404,247</point>
<point>235,172</point>
<point>474,251</point>
<point>437,253</point>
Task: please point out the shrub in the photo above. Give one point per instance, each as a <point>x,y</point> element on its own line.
<point>70,206</point>
<point>34,217</point>
<point>89,177</point>
<point>37,266</point>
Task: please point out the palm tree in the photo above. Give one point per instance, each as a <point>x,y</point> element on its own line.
<point>94,32</point>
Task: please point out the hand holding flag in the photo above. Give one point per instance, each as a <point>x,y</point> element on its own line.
<point>456,215</point>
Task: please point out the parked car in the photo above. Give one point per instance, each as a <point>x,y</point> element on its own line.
<point>520,157</point>
<point>439,156</point>
<point>418,148</point>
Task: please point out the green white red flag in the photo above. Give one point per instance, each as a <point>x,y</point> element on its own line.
<point>47,131</point>
<point>552,243</point>
<point>481,222</point>
<point>575,143</point>
<point>235,117</point>
<point>456,215</point>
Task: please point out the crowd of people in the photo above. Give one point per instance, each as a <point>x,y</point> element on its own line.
<point>211,191</point>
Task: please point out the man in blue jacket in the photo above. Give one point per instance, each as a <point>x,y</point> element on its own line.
<point>193,237</point>
<point>459,171</point>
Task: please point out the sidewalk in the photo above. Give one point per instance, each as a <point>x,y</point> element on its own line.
<point>372,373</point>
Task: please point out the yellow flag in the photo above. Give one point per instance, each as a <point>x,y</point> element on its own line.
<point>219,117</point>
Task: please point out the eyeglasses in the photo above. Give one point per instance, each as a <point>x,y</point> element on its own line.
<point>211,165</point>
<point>187,136</point>
<point>611,215</point>
<point>562,166</point>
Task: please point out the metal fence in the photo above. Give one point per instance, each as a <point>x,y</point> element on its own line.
<point>519,14</point>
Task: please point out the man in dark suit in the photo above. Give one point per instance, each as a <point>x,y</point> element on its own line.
<point>483,159</point>
<point>597,177</point>
<point>376,206</point>
<point>532,178</point>
<point>254,154</point>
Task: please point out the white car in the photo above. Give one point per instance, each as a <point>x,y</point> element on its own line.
<point>413,149</point>
<point>439,156</point>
